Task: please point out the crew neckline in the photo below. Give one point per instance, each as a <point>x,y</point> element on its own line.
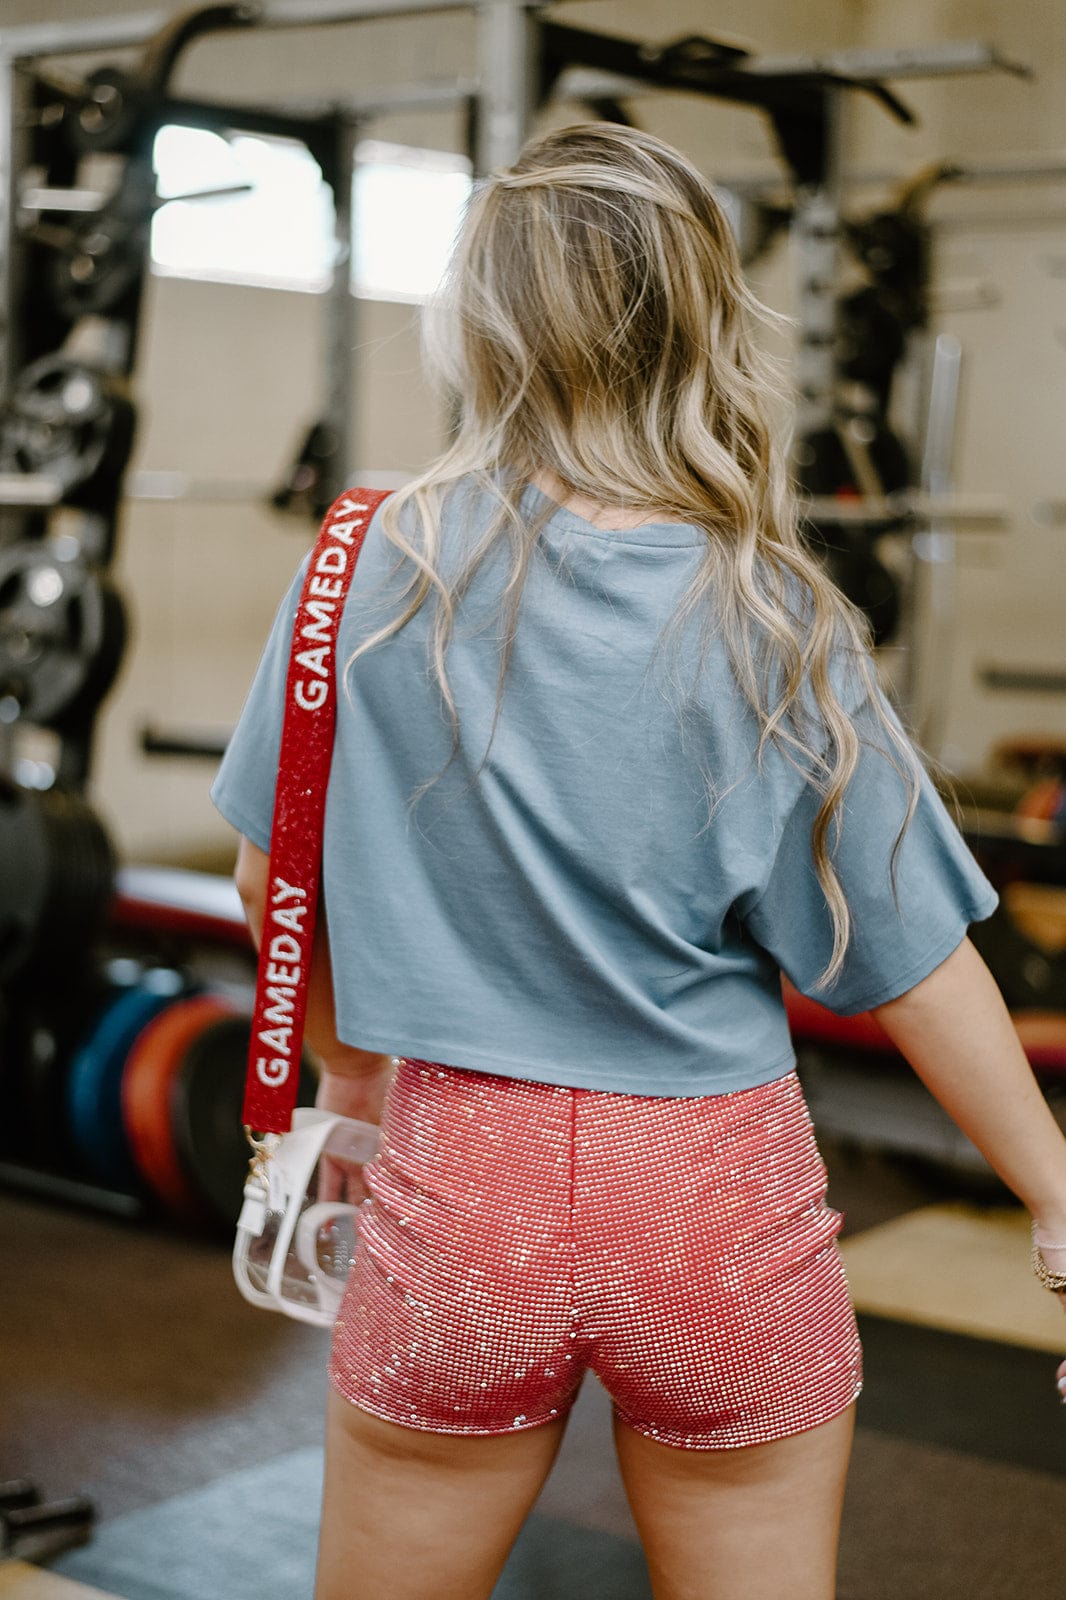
<point>681,534</point>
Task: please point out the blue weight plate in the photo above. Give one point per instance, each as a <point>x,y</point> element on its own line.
<point>94,1087</point>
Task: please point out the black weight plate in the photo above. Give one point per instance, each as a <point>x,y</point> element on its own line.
<point>50,1031</point>
<point>109,111</point>
<point>72,422</point>
<point>24,875</point>
<point>207,1099</point>
<point>98,267</point>
<point>54,623</point>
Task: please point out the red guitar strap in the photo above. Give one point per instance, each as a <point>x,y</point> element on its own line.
<point>299,810</point>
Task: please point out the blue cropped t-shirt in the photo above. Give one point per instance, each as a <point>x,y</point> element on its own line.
<point>568,913</point>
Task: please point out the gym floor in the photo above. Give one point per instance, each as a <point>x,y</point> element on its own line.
<point>154,1389</point>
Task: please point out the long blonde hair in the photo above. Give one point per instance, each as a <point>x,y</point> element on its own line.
<point>594,322</point>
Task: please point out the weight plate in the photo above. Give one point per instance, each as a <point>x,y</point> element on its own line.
<point>74,423</point>
<point>50,1030</point>
<point>147,1085</point>
<point>94,1091</point>
<point>80,881</point>
<point>109,111</point>
<point>24,871</point>
<point>207,1101</point>
<point>62,633</point>
<point>99,265</point>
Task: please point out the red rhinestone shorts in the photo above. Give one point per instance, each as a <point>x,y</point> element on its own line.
<point>518,1234</point>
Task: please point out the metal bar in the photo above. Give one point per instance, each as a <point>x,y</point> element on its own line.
<point>283,124</point>
<point>1033,680</point>
<point>117,33</point>
<point>920,61</point>
<point>15,97</point>
<point>506,51</point>
<point>985,513</point>
<point>28,489</point>
<point>163,486</point>
<point>1012,169</point>
<point>37,199</point>
<point>933,574</point>
<point>342,312</point>
<point>814,244</point>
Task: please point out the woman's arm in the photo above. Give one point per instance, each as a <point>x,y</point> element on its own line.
<point>353,1081</point>
<point>955,1030</point>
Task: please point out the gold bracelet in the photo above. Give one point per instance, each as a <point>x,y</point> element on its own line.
<point>1055,1281</point>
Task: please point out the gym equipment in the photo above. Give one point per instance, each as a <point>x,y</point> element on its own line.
<point>56,872</point>
<point>200,906</point>
<point>149,1088</point>
<point>307,487</point>
<point>72,422</point>
<point>1028,974</point>
<point>206,1106</point>
<point>117,105</point>
<point>44,1031</point>
<point>103,259</point>
<point>94,1088</point>
<point>63,630</point>
<point>34,1530</point>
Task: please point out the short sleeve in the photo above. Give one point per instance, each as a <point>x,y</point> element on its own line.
<point>243,789</point>
<point>940,887</point>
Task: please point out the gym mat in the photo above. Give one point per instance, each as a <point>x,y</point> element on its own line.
<point>252,1535</point>
<point>959,1267</point>
<point>918,1523</point>
<point>975,1396</point>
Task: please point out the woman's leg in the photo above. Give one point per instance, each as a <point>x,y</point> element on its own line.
<point>413,1515</point>
<point>751,1523</point>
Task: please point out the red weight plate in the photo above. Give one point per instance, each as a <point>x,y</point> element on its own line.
<point>1043,1037</point>
<point>815,1024</point>
<point>151,1067</point>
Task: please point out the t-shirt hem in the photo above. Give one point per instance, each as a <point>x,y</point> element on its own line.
<point>927,963</point>
<point>474,1059</point>
<point>239,819</point>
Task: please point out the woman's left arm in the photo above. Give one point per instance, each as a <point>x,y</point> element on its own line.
<point>353,1082</point>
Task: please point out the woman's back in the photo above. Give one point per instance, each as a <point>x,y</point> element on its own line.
<point>564,908</point>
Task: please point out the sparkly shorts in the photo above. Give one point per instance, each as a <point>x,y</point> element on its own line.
<point>518,1234</point>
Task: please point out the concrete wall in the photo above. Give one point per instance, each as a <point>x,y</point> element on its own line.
<point>230,376</point>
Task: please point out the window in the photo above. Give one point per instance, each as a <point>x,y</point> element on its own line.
<point>276,229</point>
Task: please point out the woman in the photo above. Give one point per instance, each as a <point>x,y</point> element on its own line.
<point>614,756</point>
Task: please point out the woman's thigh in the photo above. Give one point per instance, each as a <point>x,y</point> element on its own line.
<point>752,1523</point>
<point>409,1514</point>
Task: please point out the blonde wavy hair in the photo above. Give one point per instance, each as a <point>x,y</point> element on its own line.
<point>594,322</point>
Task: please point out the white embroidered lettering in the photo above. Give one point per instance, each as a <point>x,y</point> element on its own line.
<point>329,587</point>
<point>310,696</point>
<point>315,660</point>
<point>321,624</point>
<point>277,1039</point>
<point>289,917</point>
<point>283,947</point>
<point>272,1073</point>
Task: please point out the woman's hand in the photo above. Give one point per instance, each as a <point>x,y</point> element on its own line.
<point>355,1086</point>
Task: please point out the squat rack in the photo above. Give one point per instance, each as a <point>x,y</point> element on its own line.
<point>522,59</point>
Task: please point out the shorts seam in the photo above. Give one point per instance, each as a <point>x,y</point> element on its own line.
<point>423,1427</point>
<point>679,1441</point>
